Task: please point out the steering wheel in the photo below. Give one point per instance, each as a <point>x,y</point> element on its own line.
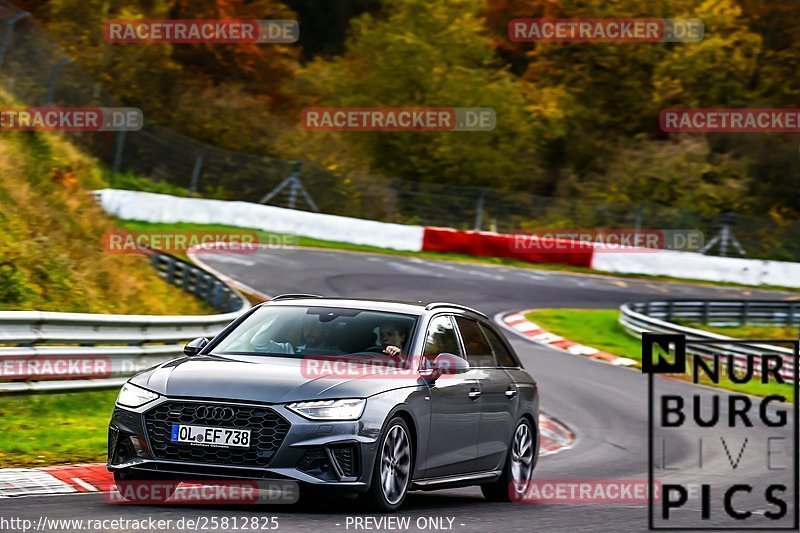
<point>375,349</point>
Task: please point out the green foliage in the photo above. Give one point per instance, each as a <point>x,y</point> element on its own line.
<point>576,121</point>
<point>13,285</point>
<point>680,174</point>
<point>51,238</point>
<point>429,54</point>
<point>227,95</point>
<point>718,71</point>
<point>131,182</point>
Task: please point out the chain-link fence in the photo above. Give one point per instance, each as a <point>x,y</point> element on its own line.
<point>37,73</point>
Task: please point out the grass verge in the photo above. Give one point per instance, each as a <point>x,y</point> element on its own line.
<point>47,429</point>
<point>52,252</point>
<point>599,328</point>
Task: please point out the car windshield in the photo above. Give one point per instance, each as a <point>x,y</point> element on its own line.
<point>293,331</point>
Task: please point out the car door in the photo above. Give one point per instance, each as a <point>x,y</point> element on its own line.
<point>455,415</point>
<point>497,403</point>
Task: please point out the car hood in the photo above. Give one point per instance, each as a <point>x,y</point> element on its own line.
<point>266,379</point>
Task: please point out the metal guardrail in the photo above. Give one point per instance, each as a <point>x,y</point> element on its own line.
<point>656,317</point>
<point>124,344</point>
<point>724,312</point>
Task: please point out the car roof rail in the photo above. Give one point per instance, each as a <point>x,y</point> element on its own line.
<point>437,305</point>
<point>295,296</point>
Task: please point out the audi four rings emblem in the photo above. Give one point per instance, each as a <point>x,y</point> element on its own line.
<point>215,413</point>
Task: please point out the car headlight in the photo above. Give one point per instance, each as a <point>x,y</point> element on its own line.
<point>329,409</point>
<point>132,396</point>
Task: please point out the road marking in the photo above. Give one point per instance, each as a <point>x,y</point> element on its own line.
<point>85,485</point>
<point>411,269</point>
<point>232,259</point>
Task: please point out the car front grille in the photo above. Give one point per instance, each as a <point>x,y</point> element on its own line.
<point>267,431</point>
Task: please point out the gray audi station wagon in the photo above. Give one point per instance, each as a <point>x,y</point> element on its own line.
<point>373,398</point>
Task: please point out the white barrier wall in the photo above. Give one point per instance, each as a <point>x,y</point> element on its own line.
<point>151,207</point>
<point>690,265</point>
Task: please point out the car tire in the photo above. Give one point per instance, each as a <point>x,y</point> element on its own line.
<point>518,470</point>
<point>130,489</point>
<point>394,466</point>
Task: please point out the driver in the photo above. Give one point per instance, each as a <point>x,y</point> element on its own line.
<point>392,337</point>
<point>315,335</point>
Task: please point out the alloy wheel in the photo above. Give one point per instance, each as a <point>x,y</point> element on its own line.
<point>522,458</point>
<point>395,464</point>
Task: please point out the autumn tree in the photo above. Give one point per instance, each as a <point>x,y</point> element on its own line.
<point>430,54</point>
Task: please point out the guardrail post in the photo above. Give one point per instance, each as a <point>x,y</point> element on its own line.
<point>217,295</point>
<point>170,270</point>
<point>745,310</point>
<point>705,312</point>
<point>198,166</point>
<point>790,320</point>
<point>198,284</point>
<point>119,148</point>
<point>647,308</point>
<point>211,287</point>
<point>187,272</point>
<point>7,34</point>
<point>669,310</point>
<point>55,71</point>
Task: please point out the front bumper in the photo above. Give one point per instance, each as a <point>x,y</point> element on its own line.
<point>321,453</point>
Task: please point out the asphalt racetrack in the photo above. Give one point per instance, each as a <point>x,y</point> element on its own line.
<point>605,406</point>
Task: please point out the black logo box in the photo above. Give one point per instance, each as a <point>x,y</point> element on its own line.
<point>678,366</point>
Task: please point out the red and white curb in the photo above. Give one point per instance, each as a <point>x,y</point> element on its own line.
<point>54,480</point>
<point>521,325</point>
<point>554,436</point>
<point>71,479</point>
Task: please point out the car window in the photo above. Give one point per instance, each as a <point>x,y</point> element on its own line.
<point>440,338</point>
<point>298,331</point>
<point>479,352</point>
<point>501,353</point>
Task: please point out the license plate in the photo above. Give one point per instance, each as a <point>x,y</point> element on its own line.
<point>209,436</point>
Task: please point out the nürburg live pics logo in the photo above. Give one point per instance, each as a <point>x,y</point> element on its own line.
<point>724,453</point>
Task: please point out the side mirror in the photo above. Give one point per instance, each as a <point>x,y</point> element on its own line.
<point>446,364</point>
<point>194,347</point>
